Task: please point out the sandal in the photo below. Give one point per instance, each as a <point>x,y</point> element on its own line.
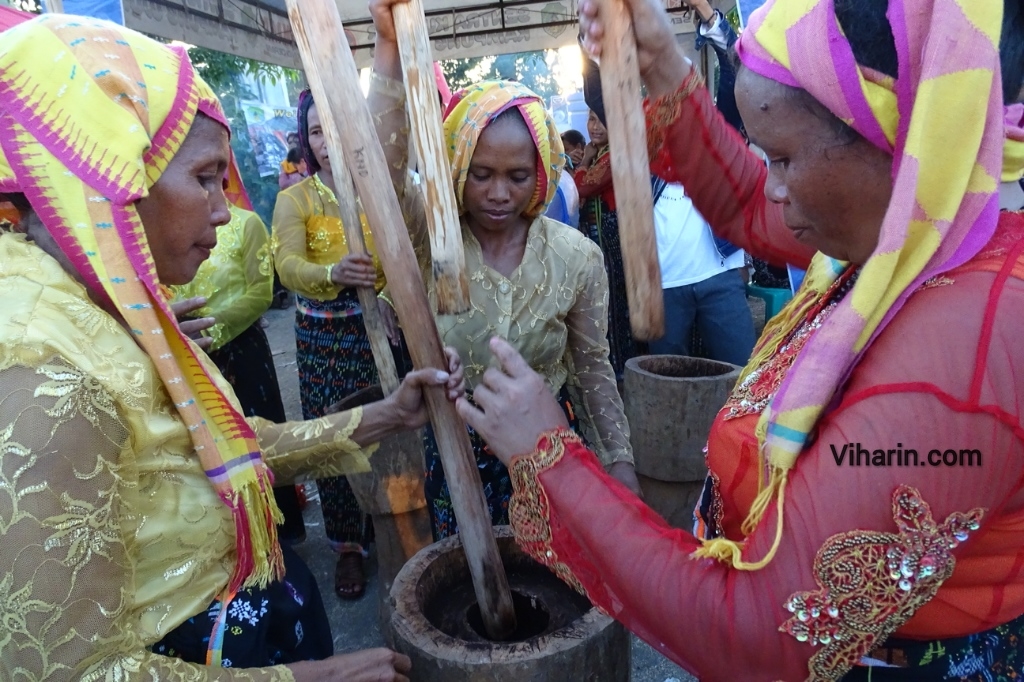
<point>349,576</point>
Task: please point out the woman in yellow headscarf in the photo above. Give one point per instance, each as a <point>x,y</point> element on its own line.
<point>536,282</point>
<point>864,514</point>
<point>136,519</point>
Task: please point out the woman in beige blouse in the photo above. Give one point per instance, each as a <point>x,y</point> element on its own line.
<point>534,281</point>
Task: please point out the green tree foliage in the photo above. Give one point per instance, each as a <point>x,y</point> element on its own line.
<point>529,68</point>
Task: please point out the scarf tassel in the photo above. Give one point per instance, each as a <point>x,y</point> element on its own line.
<point>259,561</point>
<point>731,552</point>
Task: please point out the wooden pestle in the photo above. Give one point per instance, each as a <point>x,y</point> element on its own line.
<point>446,251</point>
<point>631,174</point>
<point>319,24</point>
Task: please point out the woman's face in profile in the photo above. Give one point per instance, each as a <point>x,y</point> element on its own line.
<point>834,186</point>
<point>187,204</point>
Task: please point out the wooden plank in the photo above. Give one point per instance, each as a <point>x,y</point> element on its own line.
<point>631,175</point>
<point>317,24</point>
<point>372,319</point>
<point>448,259</point>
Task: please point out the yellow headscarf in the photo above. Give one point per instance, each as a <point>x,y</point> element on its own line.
<point>91,114</point>
<point>472,109</point>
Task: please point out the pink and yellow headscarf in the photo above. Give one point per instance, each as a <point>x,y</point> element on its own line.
<point>944,205</point>
<point>472,109</point>
<point>91,114</point>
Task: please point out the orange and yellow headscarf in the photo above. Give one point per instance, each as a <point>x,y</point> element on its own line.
<point>944,205</point>
<point>472,109</point>
<point>91,114</point>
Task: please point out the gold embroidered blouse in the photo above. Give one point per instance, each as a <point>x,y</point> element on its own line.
<point>237,279</point>
<point>111,533</point>
<point>308,237</point>
<point>552,309</point>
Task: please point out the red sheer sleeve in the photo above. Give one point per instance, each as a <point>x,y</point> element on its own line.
<point>829,595</point>
<point>692,144</point>
<point>596,181</point>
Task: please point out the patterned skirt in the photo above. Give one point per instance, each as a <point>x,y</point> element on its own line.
<point>284,623</point>
<point>601,224</point>
<point>493,475</point>
<point>996,655</point>
<point>334,361</point>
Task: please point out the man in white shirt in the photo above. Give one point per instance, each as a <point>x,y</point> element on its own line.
<point>701,282</point>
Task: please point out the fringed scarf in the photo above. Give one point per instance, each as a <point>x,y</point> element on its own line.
<point>90,116</point>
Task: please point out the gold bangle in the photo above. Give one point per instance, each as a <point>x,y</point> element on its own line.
<point>330,275</point>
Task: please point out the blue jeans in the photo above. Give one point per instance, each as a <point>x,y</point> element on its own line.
<point>718,306</point>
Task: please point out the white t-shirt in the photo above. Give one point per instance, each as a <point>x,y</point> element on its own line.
<point>686,247</point>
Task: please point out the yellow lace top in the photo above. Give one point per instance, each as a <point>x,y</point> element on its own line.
<point>111,533</point>
<point>237,279</point>
<point>308,237</point>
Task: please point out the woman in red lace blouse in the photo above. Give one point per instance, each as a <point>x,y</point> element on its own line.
<point>887,147</point>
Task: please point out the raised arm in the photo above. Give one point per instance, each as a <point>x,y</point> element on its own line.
<point>391,120</point>
<point>689,141</point>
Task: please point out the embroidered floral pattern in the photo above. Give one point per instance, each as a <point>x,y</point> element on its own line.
<point>243,610</point>
<point>529,508</point>
<point>870,583</point>
<point>757,389</point>
<point>663,112</point>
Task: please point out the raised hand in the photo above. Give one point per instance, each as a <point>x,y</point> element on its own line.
<point>662,66</point>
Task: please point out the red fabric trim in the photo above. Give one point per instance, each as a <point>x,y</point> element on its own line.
<point>988,321</point>
<point>948,400</point>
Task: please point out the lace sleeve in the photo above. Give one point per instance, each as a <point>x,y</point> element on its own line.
<point>591,380</point>
<point>387,105</point>
<point>316,448</point>
<point>297,273</point>
<point>66,572</point>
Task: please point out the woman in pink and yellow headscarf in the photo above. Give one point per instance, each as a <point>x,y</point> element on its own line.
<point>863,517</point>
<point>534,281</point>
<point>136,514</point>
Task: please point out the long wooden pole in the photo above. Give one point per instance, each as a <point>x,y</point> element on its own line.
<point>372,320</point>
<point>446,250</point>
<point>631,175</point>
<point>319,24</point>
